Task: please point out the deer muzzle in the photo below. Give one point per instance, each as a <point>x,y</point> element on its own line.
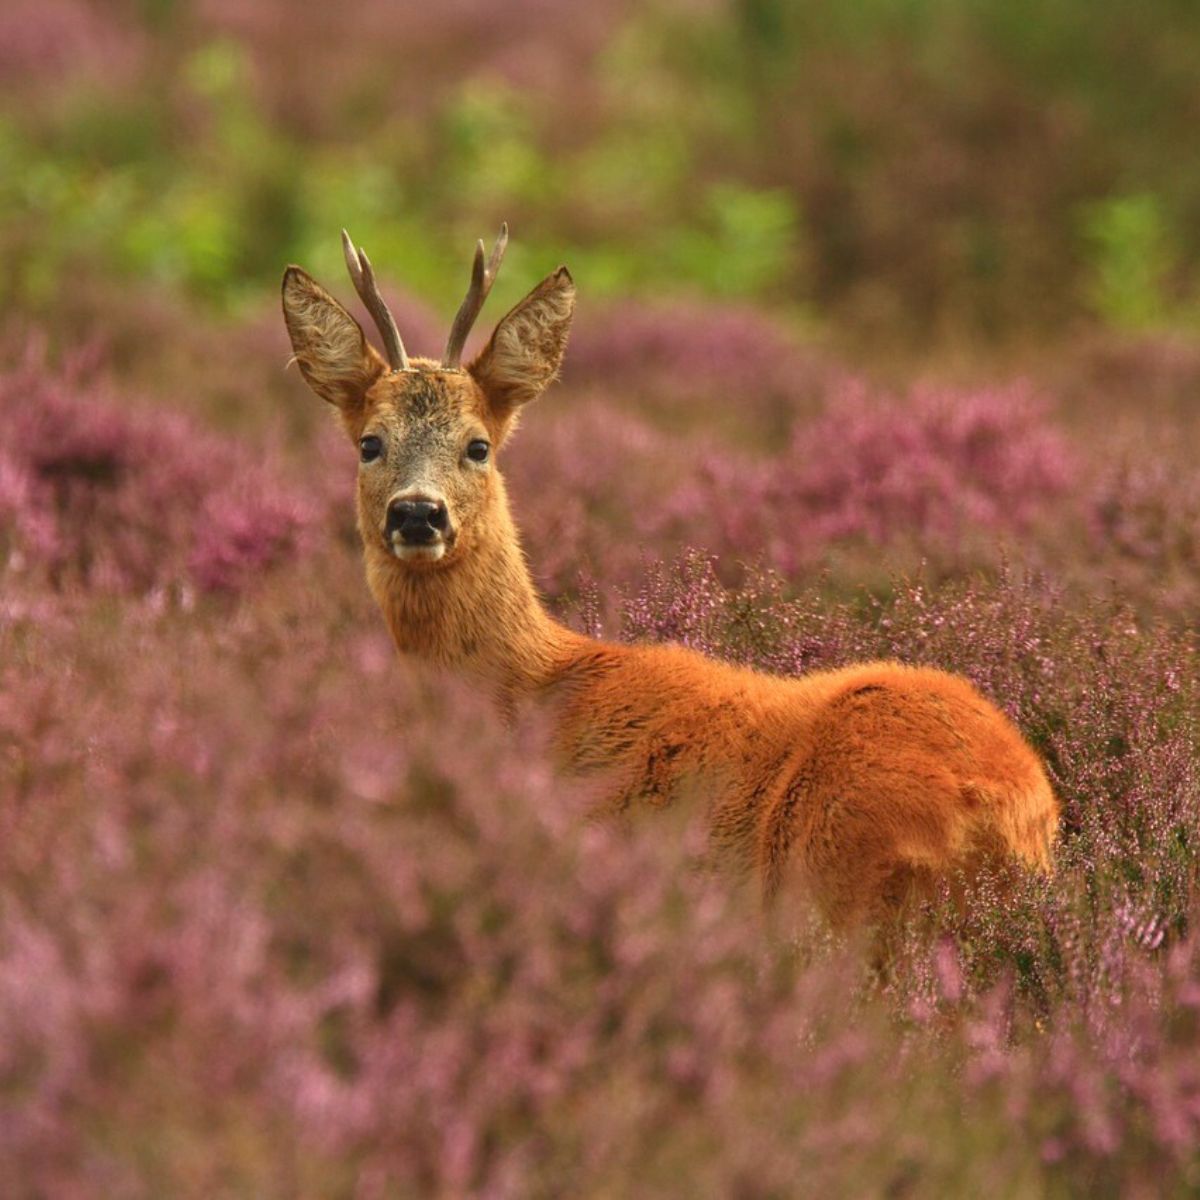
<point>418,526</point>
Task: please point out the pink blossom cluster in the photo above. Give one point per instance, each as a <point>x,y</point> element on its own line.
<point>938,469</point>
<point>100,494</point>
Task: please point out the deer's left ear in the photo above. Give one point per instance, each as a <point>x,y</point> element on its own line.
<point>527,346</point>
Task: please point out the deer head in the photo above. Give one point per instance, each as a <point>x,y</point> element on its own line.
<point>427,432</point>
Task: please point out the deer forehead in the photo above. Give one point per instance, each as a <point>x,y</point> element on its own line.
<point>446,401</point>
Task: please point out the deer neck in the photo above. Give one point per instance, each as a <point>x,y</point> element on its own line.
<point>480,615</point>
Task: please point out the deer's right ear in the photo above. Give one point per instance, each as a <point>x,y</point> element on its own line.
<point>335,358</point>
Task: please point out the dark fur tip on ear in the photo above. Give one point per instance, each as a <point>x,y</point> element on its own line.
<point>562,273</point>
<point>294,275</point>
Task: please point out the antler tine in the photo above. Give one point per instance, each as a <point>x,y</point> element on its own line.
<point>363,277</point>
<point>482,277</point>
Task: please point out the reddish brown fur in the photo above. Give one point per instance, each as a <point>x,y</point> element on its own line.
<point>851,787</point>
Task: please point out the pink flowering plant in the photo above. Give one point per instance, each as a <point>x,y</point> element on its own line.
<point>886,348</point>
<point>270,903</point>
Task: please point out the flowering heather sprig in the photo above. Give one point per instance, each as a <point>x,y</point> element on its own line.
<point>109,496</point>
<point>937,470</point>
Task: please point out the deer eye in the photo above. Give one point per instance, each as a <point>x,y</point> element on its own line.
<point>370,447</point>
<point>477,451</point>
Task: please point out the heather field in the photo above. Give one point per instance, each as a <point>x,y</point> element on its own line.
<point>888,345</point>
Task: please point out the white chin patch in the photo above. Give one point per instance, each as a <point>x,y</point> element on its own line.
<point>429,553</point>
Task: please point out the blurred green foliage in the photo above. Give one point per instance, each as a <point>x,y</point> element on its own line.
<point>1130,255</point>
<point>909,169</point>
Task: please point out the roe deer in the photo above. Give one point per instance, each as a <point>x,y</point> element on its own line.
<point>855,786</point>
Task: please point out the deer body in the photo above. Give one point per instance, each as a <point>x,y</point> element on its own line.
<point>852,787</point>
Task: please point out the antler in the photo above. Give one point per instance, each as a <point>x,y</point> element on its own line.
<point>482,278</point>
<point>359,266</point>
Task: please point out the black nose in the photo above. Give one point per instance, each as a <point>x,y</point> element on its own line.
<point>417,520</point>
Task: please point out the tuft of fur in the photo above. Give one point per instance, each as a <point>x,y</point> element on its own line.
<point>852,791</point>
